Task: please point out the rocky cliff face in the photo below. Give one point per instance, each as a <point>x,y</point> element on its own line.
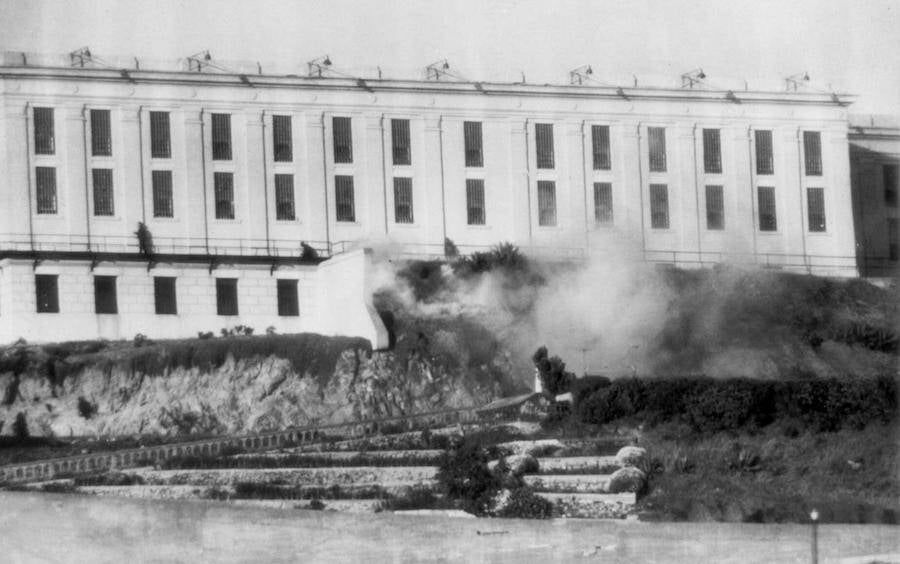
<point>251,393</point>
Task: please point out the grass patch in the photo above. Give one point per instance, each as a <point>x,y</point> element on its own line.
<point>850,476</point>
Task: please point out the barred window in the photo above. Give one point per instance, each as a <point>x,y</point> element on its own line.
<point>342,133</point>
<point>282,139</point>
<point>546,202</point>
<point>403,200</point>
<point>47,293</point>
<point>889,173</point>
<point>343,197</point>
<point>288,305</point>
<point>105,295</point>
<point>226,296</point>
<point>712,151</point>
<point>656,139</point>
<point>221,137</point>
<point>284,197</point>
<point>812,152</point>
<point>475,201</point>
<point>163,204</point>
<point>765,158</point>
<point>815,202</point>
<point>600,145</point>
<point>603,203</point>
<point>101,133</point>
<point>103,191</point>
<point>768,220</point>
<point>164,295</point>
<point>715,208</point>
<point>160,141</point>
<point>543,135</point>
<point>659,206</point>
<point>400,141</point>
<point>473,143</point>
<point>893,239</point>
<point>45,183</point>
<point>224,193</point>
<point>44,138</point>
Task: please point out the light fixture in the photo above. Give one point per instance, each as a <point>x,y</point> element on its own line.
<point>690,78</point>
<point>317,65</point>
<point>198,60</point>
<point>79,57</point>
<point>435,70</point>
<point>793,81</point>
<point>580,74</point>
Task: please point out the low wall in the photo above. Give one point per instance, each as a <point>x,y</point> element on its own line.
<point>48,469</point>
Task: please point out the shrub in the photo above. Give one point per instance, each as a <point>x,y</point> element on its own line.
<point>205,335</point>
<point>316,505</point>
<point>463,475</point>
<point>450,250</point>
<point>20,427</point>
<point>140,340</point>
<point>523,503</point>
<point>86,409</point>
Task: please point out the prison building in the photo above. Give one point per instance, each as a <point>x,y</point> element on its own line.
<point>230,172</point>
<point>875,180</point>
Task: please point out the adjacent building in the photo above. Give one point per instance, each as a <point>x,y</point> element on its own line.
<point>237,178</point>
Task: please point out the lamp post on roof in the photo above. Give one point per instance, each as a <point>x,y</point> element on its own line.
<point>437,69</point>
<point>580,74</point>
<point>79,57</point>
<point>690,78</point>
<point>197,60</point>
<point>793,82</point>
<point>316,66</point>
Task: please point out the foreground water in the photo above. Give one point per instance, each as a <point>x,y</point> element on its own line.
<point>70,528</point>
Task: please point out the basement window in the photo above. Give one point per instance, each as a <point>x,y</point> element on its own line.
<point>403,200</point>
<point>659,206</point>
<point>288,305</point>
<point>475,201</point>
<point>164,295</point>
<point>768,219</point>
<point>603,203</point>
<point>105,295</point>
<point>47,290</point>
<point>546,203</point>
<point>226,296</point>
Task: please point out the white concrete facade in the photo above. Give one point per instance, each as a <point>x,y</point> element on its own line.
<point>436,112</point>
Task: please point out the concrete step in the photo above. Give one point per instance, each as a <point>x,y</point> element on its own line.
<point>321,477</point>
<point>569,483</point>
<point>418,456</point>
<point>592,505</point>
<point>578,464</point>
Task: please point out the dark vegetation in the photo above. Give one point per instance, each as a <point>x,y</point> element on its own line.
<point>705,404</point>
<point>308,353</point>
<point>290,461</point>
<point>552,372</point>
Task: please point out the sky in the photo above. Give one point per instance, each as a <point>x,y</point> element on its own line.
<point>848,45</point>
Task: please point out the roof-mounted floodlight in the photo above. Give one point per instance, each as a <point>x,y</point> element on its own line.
<point>79,57</point>
<point>437,69</point>
<point>791,83</point>
<point>197,61</point>
<point>317,66</point>
<point>690,78</point>
<point>580,74</point>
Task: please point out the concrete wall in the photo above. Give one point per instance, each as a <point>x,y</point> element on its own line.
<point>438,169</point>
<point>327,304</point>
<point>874,144</point>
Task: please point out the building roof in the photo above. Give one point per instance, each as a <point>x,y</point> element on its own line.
<point>27,66</point>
